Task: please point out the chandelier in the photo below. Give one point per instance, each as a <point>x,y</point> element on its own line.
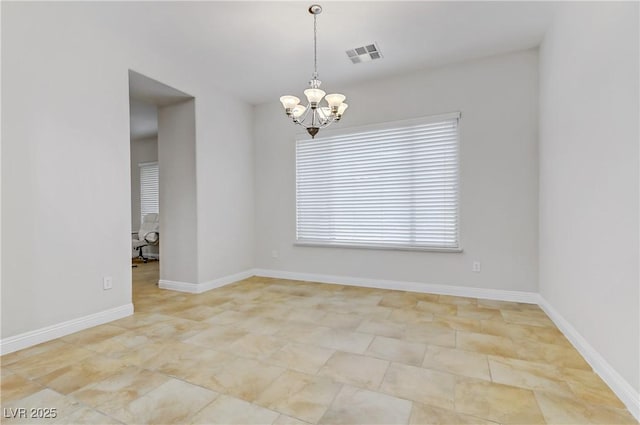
<point>315,115</point>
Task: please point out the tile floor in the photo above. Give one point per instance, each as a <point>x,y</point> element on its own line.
<point>269,351</point>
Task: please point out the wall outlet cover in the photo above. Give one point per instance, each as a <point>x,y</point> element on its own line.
<point>476,266</point>
<point>107,283</point>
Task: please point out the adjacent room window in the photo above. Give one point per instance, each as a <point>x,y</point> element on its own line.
<point>149,192</point>
<point>388,186</point>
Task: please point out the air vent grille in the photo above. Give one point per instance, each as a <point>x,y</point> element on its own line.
<point>364,54</point>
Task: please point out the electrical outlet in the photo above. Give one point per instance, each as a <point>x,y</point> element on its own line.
<point>476,267</point>
<point>275,254</point>
<point>107,283</point>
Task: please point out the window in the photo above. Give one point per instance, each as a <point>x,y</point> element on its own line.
<point>149,192</point>
<point>391,186</point>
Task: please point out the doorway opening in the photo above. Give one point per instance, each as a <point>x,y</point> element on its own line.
<point>163,183</point>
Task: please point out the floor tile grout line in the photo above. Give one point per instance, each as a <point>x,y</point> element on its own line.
<point>333,399</point>
<point>73,400</point>
<point>388,313</point>
<point>384,377</point>
<point>194,414</point>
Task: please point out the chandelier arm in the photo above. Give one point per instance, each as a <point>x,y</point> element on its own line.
<point>327,123</point>
<point>316,119</point>
<point>301,119</point>
<point>323,119</point>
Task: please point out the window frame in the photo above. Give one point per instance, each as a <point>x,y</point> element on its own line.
<point>303,136</point>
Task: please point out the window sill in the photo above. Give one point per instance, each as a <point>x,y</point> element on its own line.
<point>377,247</point>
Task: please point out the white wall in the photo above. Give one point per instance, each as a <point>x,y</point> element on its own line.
<point>498,98</point>
<point>142,150</point>
<point>178,216</point>
<point>589,183</point>
<point>225,189</point>
<point>66,158</point>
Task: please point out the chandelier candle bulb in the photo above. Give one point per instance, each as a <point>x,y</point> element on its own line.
<point>319,116</point>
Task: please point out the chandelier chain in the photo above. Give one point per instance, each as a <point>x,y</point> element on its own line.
<point>315,46</point>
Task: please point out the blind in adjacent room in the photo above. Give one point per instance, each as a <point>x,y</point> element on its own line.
<point>387,186</point>
<point>149,191</point>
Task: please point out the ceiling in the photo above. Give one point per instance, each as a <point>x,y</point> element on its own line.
<point>145,96</point>
<point>261,50</point>
<point>150,91</point>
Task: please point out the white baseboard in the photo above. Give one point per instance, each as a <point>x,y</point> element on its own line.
<point>460,291</point>
<point>627,394</point>
<point>38,336</point>
<point>175,285</point>
<point>198,288</point>
<point>225,280</point>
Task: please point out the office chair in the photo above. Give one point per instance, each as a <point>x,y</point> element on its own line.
<point>148,235</point>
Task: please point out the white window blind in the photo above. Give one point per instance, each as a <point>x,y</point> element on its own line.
<point>392,186</point>
<point>149,192</point>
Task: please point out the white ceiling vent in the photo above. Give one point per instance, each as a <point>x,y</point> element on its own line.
<point>364,54</point>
